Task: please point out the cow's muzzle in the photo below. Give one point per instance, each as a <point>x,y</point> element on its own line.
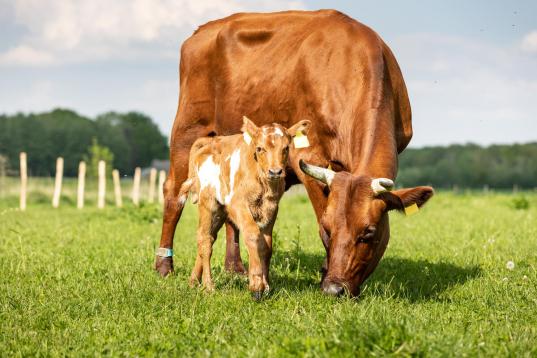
<point>333,288</point>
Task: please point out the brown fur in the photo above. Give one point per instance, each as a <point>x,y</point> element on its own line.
<point>320,65</point>
<point>256,192</point>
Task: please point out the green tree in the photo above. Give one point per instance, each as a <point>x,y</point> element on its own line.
<point>96,153</point>
<point>133,138</point>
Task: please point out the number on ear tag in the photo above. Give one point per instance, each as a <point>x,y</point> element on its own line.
<point>411,209</point>
<point>300,140</point>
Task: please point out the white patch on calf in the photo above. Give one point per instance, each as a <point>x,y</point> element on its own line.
<point>233,169</point>
<point>209,175</point>
<point>278,131</point>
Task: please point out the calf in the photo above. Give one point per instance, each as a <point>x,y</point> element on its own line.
<point>239,179</point>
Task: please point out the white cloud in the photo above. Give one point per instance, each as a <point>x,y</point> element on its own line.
<point>80,31</point>
<point>25,55</point>
<point>529,42</point>
<point>465,90</point>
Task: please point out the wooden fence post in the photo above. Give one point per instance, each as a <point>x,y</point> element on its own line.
<point>24,180</point>
<point>58,183</point>
<point>152,183</point>
<point>161,179</point>
<point>81,183</point>
<point>102,184</point>
<point>136,186</point>
<point>117,188</point>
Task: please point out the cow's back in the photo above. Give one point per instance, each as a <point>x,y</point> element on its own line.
<point>288,66</point>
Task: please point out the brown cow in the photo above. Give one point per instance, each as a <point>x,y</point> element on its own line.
<point>239,178</point>
<point>319,65</point>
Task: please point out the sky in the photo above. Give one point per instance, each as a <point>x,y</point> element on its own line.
<point>470,66</point>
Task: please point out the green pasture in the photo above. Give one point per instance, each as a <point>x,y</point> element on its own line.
<point>81,283</point>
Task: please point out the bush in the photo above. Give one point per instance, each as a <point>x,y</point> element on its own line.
<point>520,203</point>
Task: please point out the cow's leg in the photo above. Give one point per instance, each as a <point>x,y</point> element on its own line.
<point>233,262</point>
<point>173,205</point>
<point>173,208</point>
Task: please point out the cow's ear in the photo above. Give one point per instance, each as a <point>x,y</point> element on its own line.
<point>402,198</point>
<point>302,126</point>
<point>249,127</point>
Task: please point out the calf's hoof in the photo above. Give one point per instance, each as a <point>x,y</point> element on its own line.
<point>164,265</point>
<point>193,281</point>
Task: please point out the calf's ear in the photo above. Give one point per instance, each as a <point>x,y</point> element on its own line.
<point>302,126</point>
<point>402,198</point>
<point>249,127</point>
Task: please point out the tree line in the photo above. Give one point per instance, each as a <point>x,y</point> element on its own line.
<point>470,166</point>
<point>132,138</point>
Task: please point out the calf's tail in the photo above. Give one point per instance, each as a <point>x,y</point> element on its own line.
<point>186,189</point>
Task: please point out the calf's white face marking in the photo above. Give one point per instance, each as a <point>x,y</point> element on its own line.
<point>233,168</point>
<point>278,131</point>
<point>209,176</point>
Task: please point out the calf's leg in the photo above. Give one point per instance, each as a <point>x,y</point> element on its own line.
<point>266,259</point>
<point>209,223</point>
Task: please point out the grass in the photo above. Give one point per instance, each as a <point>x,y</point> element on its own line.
<point>81,283</point>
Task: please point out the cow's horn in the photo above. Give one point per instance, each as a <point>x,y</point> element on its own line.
<point>319,173</point>
<point>381,185</point>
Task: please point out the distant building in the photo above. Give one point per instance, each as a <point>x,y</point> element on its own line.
<point>158,164</point>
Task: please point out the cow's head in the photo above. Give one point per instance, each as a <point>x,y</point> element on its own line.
<point>354,225</point>
<point>271,145</point>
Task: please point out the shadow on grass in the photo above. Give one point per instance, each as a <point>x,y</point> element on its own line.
<point>413,280</point>
<point>417,280</point>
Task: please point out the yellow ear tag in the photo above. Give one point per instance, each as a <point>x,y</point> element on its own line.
<point>247,137</point>
<point>329,167</point>
<point>411,209</point>
<point>300,140</point>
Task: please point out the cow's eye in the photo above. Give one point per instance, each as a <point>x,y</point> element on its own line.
<point>370,232</point>
<point>368,235</point>
<point>259,149</point>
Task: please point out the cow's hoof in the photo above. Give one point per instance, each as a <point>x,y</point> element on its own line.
<point>236,267</point>
<point>257,295</point>
<point>164,265</point>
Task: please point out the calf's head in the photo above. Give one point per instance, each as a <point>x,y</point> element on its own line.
<point>270,145</point>
<point>355,226</point>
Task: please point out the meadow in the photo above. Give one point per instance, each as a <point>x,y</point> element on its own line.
<point>458,279</point>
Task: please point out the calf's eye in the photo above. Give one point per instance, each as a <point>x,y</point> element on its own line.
<point>259,149</point>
